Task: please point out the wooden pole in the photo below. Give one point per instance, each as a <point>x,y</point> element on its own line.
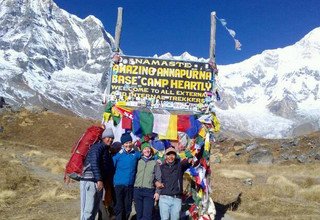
<point>118,30</point>
<point>115,49</point>
<point>212,52</point>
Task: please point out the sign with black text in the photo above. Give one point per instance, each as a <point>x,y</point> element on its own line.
<point>164,80</point>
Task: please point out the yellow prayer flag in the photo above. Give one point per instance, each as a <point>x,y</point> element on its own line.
<point>106,116</point>
<point>207,142</point>
<point>216,123</point>
<point>172,132</point>
<point>182,155</point>
<point>121,103</point>
<point>115,112</point>
<point>200,193</point>
<point>202,132</point>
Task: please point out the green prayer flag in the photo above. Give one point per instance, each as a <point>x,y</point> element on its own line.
<point>146,122</point>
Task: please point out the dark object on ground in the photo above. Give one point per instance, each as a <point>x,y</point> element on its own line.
<point>222,209</point>
<point>2,102</point>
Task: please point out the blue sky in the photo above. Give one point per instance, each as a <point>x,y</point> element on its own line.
<point>159,26</point>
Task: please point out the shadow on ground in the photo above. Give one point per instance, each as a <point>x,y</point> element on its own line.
<point>221,209</point>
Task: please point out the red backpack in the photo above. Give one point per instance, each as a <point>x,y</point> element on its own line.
<point>79,152</point>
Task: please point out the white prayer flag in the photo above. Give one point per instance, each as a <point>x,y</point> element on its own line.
<point>231,32</point>
<point>237,44</point>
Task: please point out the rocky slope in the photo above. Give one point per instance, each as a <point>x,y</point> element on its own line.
<point>51,58</point>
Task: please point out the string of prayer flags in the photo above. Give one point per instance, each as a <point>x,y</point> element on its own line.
<point>231,32</point>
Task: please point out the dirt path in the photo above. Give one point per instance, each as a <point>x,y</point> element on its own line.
<point>32,187</point>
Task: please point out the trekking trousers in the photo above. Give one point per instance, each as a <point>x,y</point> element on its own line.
<point>90,199</point>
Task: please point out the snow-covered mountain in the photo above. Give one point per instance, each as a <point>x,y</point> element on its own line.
<point>51,58</point>
<point>276,93</point>
<point>272,94</point>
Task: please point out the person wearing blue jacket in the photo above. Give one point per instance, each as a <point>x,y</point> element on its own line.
<point>125,163</point>
<point>97,166</point>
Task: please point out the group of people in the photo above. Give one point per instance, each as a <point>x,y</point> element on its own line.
<point>131,174</point>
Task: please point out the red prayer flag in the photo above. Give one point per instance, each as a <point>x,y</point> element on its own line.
<point>183,123</point>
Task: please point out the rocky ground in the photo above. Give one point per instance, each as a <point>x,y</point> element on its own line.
<point>277,179</point>
<point>251,179</point>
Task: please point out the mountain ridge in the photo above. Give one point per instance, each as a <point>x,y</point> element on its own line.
<point>49,57</point>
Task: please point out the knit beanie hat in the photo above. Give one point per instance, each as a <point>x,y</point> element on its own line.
<point>125,137</point>
<point>107,133</point>
<point>144,145</point>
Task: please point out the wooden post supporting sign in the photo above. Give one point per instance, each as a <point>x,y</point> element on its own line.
<point>118,30</point>
<point>212,53</point>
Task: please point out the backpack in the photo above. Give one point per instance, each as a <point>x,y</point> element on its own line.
<point>79,152</point>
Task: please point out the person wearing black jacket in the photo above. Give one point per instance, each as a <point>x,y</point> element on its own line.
<point>169,176</point>
<point>98,166</point>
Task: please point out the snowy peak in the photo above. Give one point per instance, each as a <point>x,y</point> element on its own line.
<point>312,38</point>
<point>93,20</point>
<point>41,46</point>
<point>282,84</point>
<point>41,28</point>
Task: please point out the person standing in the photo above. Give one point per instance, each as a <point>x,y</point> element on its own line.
<point>144,188</point>
<point>125,163</point>
<point>169,180</point>
<point>97,167</point>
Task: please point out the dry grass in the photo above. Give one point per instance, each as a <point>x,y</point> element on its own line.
<point>8,156</point>
<point>33,153</point>
<point>311,194</point>
<point>5,194</point>
<point>27,190</point>
<point>277,192</point>
<point>54,131</point>
<point>53,194</point>
<point>238,174</point>
<point>281,182</point>
<point>15,177</point>
<point>55,165</point>
<point>14,162</point>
